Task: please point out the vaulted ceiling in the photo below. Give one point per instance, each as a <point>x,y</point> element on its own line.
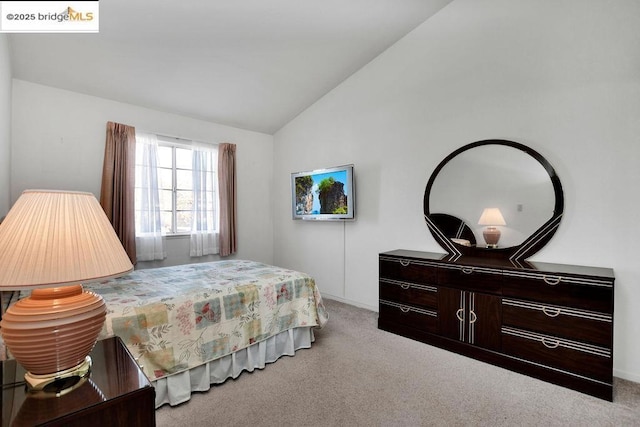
<point>253,64</point>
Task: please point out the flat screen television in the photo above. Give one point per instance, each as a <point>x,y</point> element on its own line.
<point>324,194</point>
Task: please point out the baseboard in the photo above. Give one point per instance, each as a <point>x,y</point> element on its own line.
<point>626,375</point>
<point>348,301</point>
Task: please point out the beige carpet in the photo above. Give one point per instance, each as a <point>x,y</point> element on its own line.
<point>357,375</point>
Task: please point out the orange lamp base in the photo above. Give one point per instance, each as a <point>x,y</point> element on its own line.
<point>51,334</point>
<point>491,236</point>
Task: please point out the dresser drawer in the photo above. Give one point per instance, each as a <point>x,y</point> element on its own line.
<point>565,322</point>
<point>591,294</point>
<point>415,317</point>
<point>409,270</point>
<point>408,293</point>
<point>587,360</point>
<point>471,278</point>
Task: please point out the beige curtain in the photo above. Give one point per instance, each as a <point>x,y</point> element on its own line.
<point>118,180</point>
<point>227,184</point>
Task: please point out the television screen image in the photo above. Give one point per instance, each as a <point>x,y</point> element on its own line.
<point>324,194</point>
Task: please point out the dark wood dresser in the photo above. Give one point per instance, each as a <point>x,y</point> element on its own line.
<point>549,321</point>
<point>116,394</point>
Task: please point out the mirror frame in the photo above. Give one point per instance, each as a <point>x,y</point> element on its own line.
<point>516,254</point>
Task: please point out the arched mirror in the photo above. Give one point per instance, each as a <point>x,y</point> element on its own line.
<point>493,198</point>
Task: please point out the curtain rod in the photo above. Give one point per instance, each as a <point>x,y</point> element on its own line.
<point>186,140</point>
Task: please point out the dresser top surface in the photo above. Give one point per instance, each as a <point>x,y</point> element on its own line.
<point>532,266</point>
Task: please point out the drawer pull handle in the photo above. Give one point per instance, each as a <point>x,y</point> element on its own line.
<point>550,343</point>
<point>467,270</point>
<point>404,309</point>
<point>551,312</point>
<point>404,262</point>
<point>551,280</point>
<point>405,286</point>
<point>460,315</point>
<point>472,317</point>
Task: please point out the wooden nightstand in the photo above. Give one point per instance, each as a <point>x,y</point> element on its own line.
<point>117,394</point>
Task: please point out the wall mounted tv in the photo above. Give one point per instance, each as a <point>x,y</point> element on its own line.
<point>324,194</point>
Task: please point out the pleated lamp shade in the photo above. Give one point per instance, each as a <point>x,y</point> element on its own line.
<point>491,217</point>
<point>52,241</point>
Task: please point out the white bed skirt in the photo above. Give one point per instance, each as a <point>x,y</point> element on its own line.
<point>177,388</point>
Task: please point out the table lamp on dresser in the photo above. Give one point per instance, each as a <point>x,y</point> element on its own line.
<point>50,243</point>
<point>491,217</point>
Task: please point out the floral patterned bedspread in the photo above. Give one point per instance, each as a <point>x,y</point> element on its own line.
<point>176,318</point>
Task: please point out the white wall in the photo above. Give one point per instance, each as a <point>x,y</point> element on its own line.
<point>58,143</point>
<point>559,76</point>
<point>5,125</point>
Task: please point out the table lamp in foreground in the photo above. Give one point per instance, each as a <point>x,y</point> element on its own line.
<point>491,217</point>
<point>50,243</point>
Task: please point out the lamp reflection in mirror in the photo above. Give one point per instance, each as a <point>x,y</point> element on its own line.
<point>50,243</point>
<point>491,217</point>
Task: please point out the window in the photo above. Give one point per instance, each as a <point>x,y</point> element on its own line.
<point>175,183</point>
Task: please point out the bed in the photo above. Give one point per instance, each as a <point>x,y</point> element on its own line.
<point>190,326</point>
